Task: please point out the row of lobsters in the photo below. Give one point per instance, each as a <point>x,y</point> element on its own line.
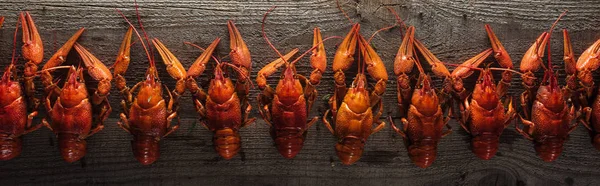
<point>484,112</point>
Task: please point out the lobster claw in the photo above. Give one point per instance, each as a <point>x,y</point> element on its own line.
<point>499,52</point>
<point>375,66</point>
<point>405,61</point>
<point>569,55</point>
<point>240,55</point>
<point>123,58</point>
<point>33,49</point>
<point>96,69</point>
<point>466,68</point>
<point>588,61</point>
<point>174,67</point>
<point>318,59</point>
<point>533,57</point>
<point>344,56</point>
<point>438,68</point>
<point>199,65</point>
<point>61,54</point>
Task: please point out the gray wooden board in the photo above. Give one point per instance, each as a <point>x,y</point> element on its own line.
<point>452,29</point>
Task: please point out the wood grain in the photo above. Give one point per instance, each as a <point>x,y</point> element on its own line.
<point>453,29</point>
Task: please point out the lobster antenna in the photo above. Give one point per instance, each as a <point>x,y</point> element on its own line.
<point>480,69</point>
<point>137,13</point>
<point>398,20</point>
<point>199,47</point>
<point>139,37</point>
<point>13,61</point>
<point>267,38</point>
<point>312,48</point>
<point>345,14</point>
<point>418,61</point>
<point>549,36</point>
<point>382,29</point>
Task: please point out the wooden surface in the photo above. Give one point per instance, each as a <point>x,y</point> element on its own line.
<point>452,29</point>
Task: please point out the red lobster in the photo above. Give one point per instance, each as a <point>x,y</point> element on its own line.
<point>225,108</point>
<point>147,117</point>
<point>550,118</point>
<point>71,114</point>
<point>14,119</point>
<point>286,108</point>
<point>424,123</point>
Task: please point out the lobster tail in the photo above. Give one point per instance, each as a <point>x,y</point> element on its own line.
<point>289,142</point>
<point>596,141</point>
<point>549,149</point>
<point>485,146</point>
<point>10,147</point>
<point>349,149</point>
<point>145,149</point>
<point>72,147</point>
<point>227,143</point>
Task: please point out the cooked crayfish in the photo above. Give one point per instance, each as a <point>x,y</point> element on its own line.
<point>147,117</point>
<point>424,123</point>
<point>224,109</point>
<point>71,112</point>
<point>14,118</point>
<point>549,122</point>
<point>286,108</point>
<point>354,115</point>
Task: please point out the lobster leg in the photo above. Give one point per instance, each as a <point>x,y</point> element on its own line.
<point>174,68</point>
<point>171,114</point>
<point>264,101</point>
<point>29,121</point>
<point>525,103</point>
<point>247,121</point>
<point>510,113</point>
<point>503,59</point>
<point>33,52</point>
<point>393,124</point>
<point>375,68</point>
<point>98,71</point>
<point>124,123</point>
<point>318,59</point>
<point>343,59</point>
<point>120,67</point>
<point>530,63</point>
<point>58,58</point>
<point>376,120</point>
<point>326,122</point>
<point>403,65</point>
<point>530,126</point>
<point>465,115</point>
<point>310,93</point>
<point>240,56</point>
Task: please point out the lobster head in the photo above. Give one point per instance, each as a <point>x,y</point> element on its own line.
<point>485,91</point>
<point>11,89</point>
<point>357,97</point>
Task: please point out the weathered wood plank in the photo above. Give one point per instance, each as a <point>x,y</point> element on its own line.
<point>453,30</point>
